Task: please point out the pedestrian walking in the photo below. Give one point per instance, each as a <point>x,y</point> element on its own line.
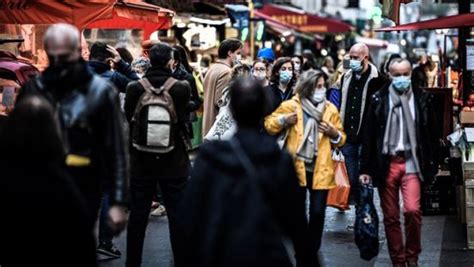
<point>90,121</point>
<point>260,70</point>
<point>236,212</point>
<point>355,92</point>
<point>57,227</point>
<point>282,80</point>
<point>102,57</point>
<point>313,129</point>
<point>398,154</point>
<point>158,150</point>
<point>217,78</point>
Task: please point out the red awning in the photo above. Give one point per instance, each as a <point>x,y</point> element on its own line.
<point>457,21</point>
<point>295,19</point>
<point>109,14</point>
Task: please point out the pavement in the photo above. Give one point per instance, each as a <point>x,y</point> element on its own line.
<point>443,243</point>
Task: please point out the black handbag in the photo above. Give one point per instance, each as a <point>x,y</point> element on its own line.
<point>366,229</point>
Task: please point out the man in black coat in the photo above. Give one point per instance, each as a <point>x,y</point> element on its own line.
<point>398,154</point>
<point>90,120</point>
<point>232,216</point>
<point>170,170</point>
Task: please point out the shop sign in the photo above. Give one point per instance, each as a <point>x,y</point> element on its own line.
<point>292,19</point>
<point>16,4</point>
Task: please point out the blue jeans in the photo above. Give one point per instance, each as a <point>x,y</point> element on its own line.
<point>105,233</point>
<point>351,154</point>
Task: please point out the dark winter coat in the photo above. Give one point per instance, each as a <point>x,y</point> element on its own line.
<point>376,164</point>
<point>222,223</point>
<point>175,163</point>
<point>121,77</point>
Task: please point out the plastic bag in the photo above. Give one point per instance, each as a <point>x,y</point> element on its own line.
<point>338,197</point>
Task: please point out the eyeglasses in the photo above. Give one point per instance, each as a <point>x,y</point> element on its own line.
<point>259,69</point>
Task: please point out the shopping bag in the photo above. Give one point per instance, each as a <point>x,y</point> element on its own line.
<point>366,228</point>
<point>224,126</point>
<point>338,197</point>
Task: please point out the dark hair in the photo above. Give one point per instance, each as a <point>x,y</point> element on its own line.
<point>160,54</point>
<point>298,56</point>
<point>125,54</point>
<point>99,52</point>
<point>275,77</point>
<point>261,60</point>
<point>183,58</point>
<point>307,82</point>
<point>248,102</point>
<point>240,69</point>
<point>228,45</point>
<point>386,65</point>
<point>31,132</point>
<point>308,65</point>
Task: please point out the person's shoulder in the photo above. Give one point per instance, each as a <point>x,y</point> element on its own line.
<point>330,107</point>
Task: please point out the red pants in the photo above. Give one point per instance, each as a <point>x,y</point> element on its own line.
<point>401,252</point>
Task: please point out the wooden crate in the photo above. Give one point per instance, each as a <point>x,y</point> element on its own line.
<point>470,236</point>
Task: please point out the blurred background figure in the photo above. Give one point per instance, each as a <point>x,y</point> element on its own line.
<point>260,70</point>
<point>236,211</point>
<point>266,54</point>
<point>282,81</point>
<point>58,227</point>
<point>297,63</point>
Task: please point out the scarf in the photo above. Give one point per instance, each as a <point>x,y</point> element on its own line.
<point>400,111</point>
<point>308,149</point>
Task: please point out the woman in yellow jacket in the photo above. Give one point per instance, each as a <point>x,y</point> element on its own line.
<point>314,128</point>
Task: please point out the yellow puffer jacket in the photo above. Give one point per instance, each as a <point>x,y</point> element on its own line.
<point>324,167</point>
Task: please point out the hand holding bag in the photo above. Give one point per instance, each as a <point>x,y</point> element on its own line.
<point>338,197</point>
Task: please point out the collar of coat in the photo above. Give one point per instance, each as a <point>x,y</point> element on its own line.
<point>345,88</point>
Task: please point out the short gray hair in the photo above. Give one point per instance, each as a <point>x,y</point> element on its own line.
<point>398,61</point>
<point>307,82</point>
<point>61,31</point>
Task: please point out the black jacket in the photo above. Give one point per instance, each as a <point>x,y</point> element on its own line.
<point>123,75</point>
<point>275,95</point>
<point>222,223</point>
<point>175,163</point>
<point>91,125</point>
<point>373,162</point>
<point>195,101</point>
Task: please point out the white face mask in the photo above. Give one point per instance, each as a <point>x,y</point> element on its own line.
<point>319,95</point>
<point>237,59</point>
<point>297,67</point>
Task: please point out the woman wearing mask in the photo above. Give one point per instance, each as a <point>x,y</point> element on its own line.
<point>314,129</point>
<point>259,71</point>
<point>281,82</point>
<point>297,62</point>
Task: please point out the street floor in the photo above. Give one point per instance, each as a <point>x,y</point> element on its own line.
<point>443,243</point>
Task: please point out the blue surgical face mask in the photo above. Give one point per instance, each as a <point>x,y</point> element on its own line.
<point>356,65</point>
<point>285,76</point>
<point>319,95</point>
<point>401,83</point>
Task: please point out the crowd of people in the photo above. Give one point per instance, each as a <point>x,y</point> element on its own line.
<point>108,140</point>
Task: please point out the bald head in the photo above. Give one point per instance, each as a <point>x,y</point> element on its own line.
<point>400,67</point>
<point>62,43</point>
<point>360,52</point>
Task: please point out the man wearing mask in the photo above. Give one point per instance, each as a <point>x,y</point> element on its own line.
<point>91,122</point>
<point>398,154</point>
<point>148,167</point>
<point>217,78</point>
<point>356,90</point>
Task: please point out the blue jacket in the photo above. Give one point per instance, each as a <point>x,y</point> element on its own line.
<point>123,75</point>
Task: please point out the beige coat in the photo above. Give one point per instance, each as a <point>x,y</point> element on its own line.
<point>217,78</point>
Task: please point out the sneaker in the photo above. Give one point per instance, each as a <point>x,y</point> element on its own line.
<point>108,249</point>
<point>158,212</point>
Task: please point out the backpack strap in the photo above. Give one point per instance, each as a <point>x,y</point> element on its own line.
<point>149,88</point>
<point>169,83</point>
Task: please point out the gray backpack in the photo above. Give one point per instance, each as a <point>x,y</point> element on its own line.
<point>154,118</point>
